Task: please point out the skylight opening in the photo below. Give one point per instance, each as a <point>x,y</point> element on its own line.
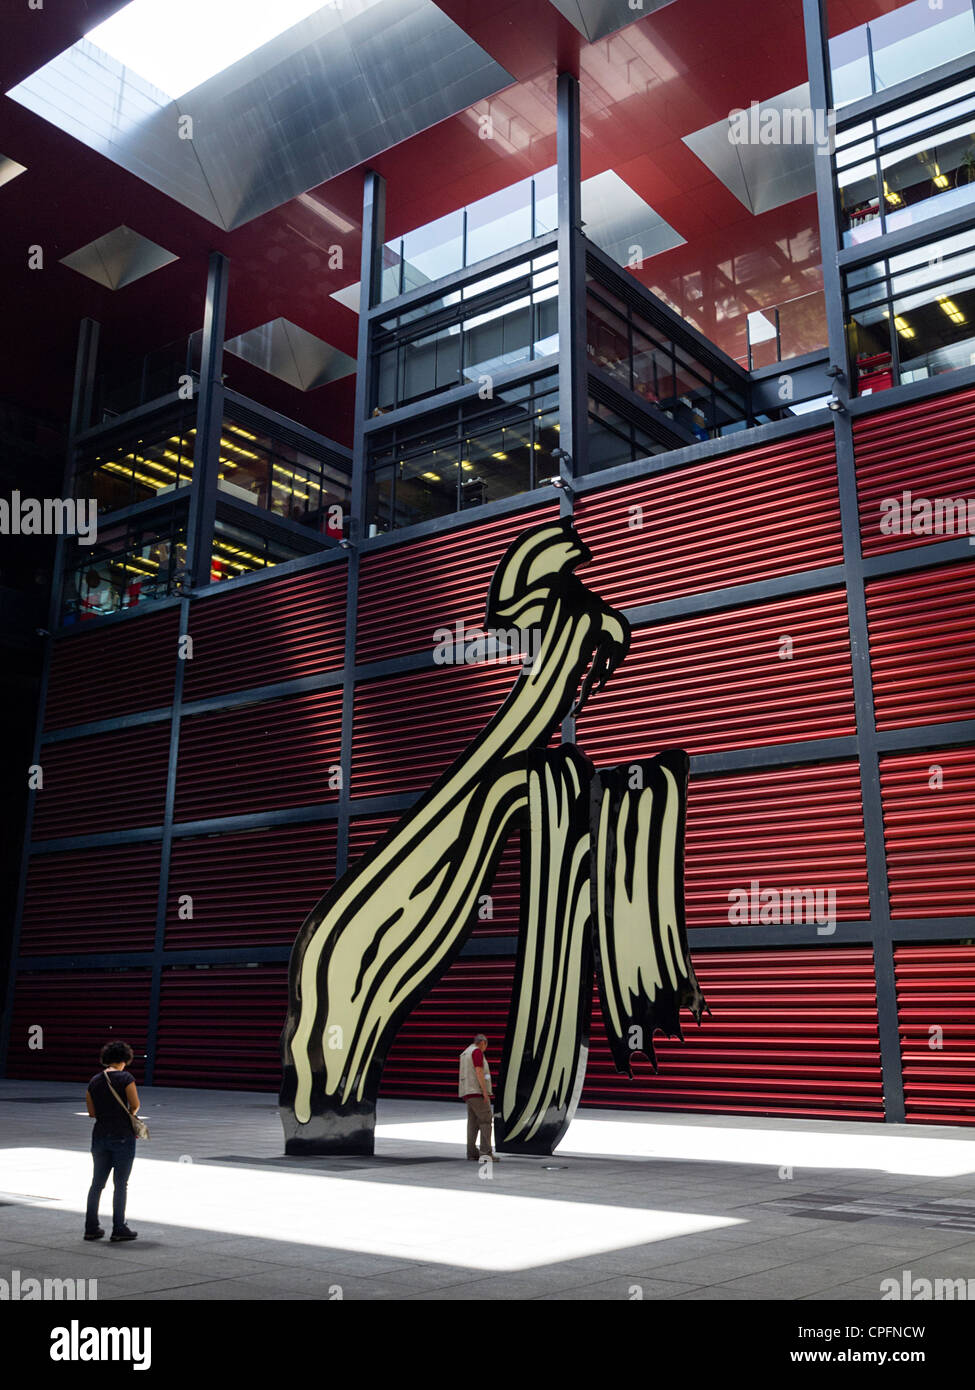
<point>178,44</point>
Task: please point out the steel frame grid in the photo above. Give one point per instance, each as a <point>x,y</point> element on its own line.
<point>879,931</point>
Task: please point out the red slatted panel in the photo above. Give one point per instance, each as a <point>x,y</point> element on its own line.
<point>472,997</point>
<point>219,1028</point>
<point>108,781</point>
<point>92,900</point>
<point>252,889</point>
<point>791,827</point>
<point>275,630</point>
<point>409,728</point>
<point>927,449</point>
<point>721,522</point>
<point>929,831</point>
<point>717,681</point>
<point>113,671</point>
<point>407,592</point>
<point>936,991</point>
<point>505,892</point>
<point>79,1011</point>
<point>793,1033</point>
<point>921,646</point>
<point>261,757</point>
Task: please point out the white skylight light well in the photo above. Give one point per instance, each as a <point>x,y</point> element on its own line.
<point>177,44</point>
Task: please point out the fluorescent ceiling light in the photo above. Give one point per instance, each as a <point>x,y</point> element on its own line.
<point>177,44</point>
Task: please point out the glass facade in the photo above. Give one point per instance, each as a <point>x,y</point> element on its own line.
<point>909,41</point>
<point>494,322</point>
<point>493,224</point>
<point>132,562</point>
<point>463,456</point>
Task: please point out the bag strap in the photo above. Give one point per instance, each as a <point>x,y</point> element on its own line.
<point>115,1093</point>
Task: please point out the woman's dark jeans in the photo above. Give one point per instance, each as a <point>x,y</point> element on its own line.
<point>109,1154</point>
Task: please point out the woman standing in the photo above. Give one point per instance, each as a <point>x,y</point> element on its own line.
<point>111,1097</point>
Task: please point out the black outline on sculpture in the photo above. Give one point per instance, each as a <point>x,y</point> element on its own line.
<point>399,916</point>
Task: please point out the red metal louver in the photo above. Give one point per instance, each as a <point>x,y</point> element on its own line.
<point>113,671</point>
<point>109,781</point>
<point>259,757</point>
<point>929,832</point>
<point>936,1009</point>
<point>788,827</point>
<point>927,449</point>
<point>723,680</point>
<point>219,1027</point>
<point>921,645</point>
<point>721,522</point>
<point>276,630</point>
<point>250,889</point>
<point>409,591</point>
<point>79,1011</point>
<point>91,900</point>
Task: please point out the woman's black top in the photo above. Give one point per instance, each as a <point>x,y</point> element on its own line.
<point>111,1121</point>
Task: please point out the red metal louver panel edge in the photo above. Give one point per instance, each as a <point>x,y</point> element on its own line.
<point>709,525</point>
<point>936,1009</point>
<point>927,449</point>
<point>79,1011</point>
<point>929,831</point>
<point>275,630</point>
<point>252,889</point>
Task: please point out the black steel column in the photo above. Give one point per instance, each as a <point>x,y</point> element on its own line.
<point>573,393</point>
<point>86,359</point>
<point>817,57</point>
<point>370,290</point>
<point>209,424</point>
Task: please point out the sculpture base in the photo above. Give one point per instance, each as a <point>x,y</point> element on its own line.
<point>336,1133</point>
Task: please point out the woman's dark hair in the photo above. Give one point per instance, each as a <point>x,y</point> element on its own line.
<point>116,1052</point>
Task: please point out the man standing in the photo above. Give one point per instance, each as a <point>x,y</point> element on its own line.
<point>474,1085</point>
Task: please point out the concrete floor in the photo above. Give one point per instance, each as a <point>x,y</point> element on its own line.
<point>661,1207</point>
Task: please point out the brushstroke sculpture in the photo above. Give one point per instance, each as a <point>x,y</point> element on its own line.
<point>398,917</point>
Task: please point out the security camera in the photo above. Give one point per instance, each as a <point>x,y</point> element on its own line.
<point>835,403</point>
<point>561,454</point>
<point>833,370</point>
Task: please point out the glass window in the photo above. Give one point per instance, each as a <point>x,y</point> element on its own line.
<point>132,562</point>
<point>910,40</point>
<point>499,221</point>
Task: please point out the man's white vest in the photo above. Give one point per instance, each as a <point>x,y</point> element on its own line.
<point>468,1084</point>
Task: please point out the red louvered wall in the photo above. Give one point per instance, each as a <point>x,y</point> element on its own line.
<point>406,593</point>
<point>264,633</point>
<point>793,1033</point>
<point>219,1028</point>
<point>259,757</point>
<point>709,525</point>
<point>91,900</point>
<point>113,671</point>
<point>79,1011</point>
<point>926,449</point>
<point>787,827</point>
<point>252,889</point>
<point>109,781</point>
<point>921,645</point>
<point>936,1009</point>
<point>393,749</point>
<point>504,893</point>
<point>929,832</point>
<point>717,681</point>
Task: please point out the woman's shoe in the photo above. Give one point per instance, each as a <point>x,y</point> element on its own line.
<point>124,1233</point>
<point>94,1235</point>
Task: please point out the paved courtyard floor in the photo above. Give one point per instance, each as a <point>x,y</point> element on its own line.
<point>662,1207</point>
